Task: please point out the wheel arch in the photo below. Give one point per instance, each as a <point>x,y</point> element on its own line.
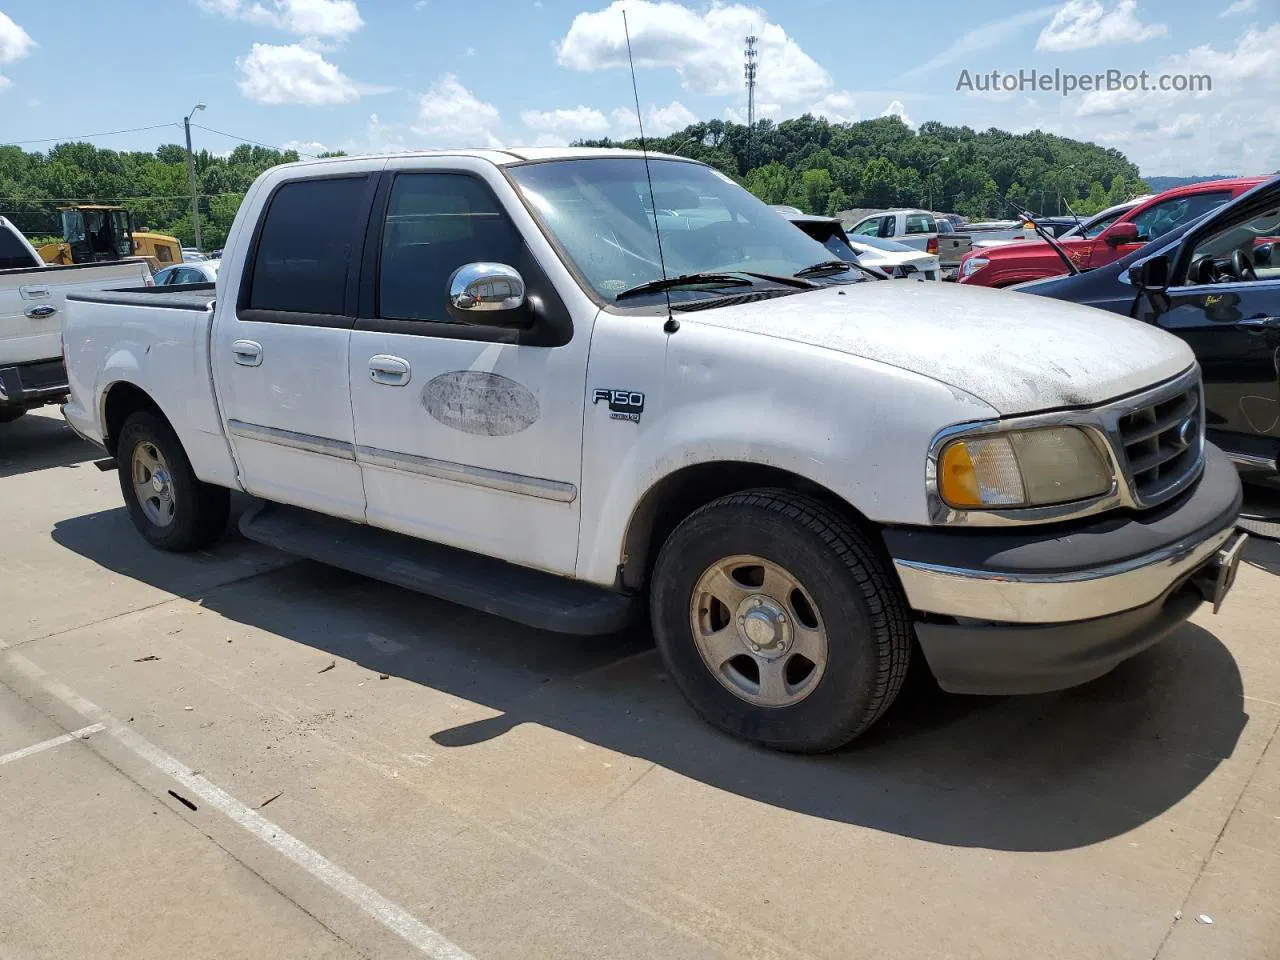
<point>119,402</point>
<point>673,497</point>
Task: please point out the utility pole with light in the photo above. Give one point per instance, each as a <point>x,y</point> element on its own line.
<point>191,172</point>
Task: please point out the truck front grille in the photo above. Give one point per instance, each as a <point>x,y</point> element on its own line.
<point>1162,445</point>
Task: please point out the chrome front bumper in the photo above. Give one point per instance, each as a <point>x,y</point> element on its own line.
<point>1058,597</point>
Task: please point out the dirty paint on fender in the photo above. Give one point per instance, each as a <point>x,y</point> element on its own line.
<point>479,403</point>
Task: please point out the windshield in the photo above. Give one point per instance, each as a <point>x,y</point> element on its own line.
<point>598,210</point>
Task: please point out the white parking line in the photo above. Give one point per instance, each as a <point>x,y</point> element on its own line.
<point>390,915</point>
<point>51,742</point>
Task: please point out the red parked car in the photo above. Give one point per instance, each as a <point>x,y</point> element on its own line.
<point>1035,259</point>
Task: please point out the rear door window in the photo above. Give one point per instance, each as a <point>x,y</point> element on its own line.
<point>888,226</point>
<point>311,230</point>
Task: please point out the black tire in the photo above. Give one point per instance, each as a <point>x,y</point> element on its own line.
<point>859,601</point>
<point>200,510</point>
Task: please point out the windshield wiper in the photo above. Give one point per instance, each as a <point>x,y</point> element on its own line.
<point>785,281</point>
<point>685,279</point>
<point>826,266</point>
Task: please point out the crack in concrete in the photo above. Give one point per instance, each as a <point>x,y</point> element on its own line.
<point>1213,849</point>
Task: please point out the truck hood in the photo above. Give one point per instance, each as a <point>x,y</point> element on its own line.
<point>1018,353</point>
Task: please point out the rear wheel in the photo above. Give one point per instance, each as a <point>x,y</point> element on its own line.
<point>779,621</point>
<point>168,504</point>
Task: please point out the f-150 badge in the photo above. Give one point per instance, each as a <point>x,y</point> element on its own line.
<point>623,404</point>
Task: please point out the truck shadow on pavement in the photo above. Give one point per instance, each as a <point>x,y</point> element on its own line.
<point>38,442</point>
<point>1049,772</point>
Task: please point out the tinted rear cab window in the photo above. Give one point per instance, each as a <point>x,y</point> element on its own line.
<point>920,223</point>
<point>14,253</point>
<point>306,244</point>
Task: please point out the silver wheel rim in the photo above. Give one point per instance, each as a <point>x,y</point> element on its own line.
<point>758,631</point>
<point>153,484</point>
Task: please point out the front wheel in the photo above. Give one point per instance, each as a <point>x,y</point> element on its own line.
<point>779,621</point>
<point>171,507</point>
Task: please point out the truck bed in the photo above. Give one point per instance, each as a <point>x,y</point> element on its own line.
<point>187,296</point>
<point>32,309</point>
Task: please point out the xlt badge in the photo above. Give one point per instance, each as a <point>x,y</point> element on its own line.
<point>623,404</point>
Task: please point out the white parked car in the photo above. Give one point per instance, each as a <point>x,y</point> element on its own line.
<point>896,259</point>
<point>201,271</point>
<point>475,375</point>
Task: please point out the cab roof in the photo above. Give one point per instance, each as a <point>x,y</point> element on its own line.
<point>503,156</point>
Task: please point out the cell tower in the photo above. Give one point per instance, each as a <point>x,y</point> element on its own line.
<point>749,66</point>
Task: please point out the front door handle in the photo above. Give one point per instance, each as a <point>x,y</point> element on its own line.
<point>1259,323</point>
<point>247,353</point>
<point>43,312</point>
<point>388,370</point>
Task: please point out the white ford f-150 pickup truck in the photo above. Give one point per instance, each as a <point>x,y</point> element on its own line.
<point>32,301</point>
<point>479,375</point>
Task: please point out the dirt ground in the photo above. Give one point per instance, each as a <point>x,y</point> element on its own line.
<point>236,754</point>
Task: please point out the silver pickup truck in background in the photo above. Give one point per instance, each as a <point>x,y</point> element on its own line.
<point>32,304</point>
<point>919,229</point>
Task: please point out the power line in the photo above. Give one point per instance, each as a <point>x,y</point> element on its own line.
<point>85,136</point>
<point>90,200</point>
<point>256,143</point>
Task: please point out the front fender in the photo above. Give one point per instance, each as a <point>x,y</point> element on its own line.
<point>854,427</point>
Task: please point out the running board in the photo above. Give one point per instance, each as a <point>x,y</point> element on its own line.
<point>531,597</point>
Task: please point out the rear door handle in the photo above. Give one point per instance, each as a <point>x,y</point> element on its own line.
<point>1259,323</point>
<point>247,353</point>
<point>31,292</point>
<point>42,312</point>
<point>388,370</point>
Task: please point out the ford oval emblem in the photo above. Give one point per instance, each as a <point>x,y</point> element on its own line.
<point>1187,433</point>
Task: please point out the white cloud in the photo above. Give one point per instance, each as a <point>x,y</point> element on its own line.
<point>982,38</point>
<point>1252,67</point>
<point>661,121</point>
<point>15,43</point>
<point>451,115</point>
<point>327,19</point>
<point>658,121</point>
<point>1240,6</point>
<point>305,147</point>
<point>897,109</point>
<point>559,127</point>
<point>704,49</point>
<point>838,107</point>
<point>771,111</point>
<point>293,74</point>
<point>1233,128</point>
<point>1082,24</point>
<point>471,51</point>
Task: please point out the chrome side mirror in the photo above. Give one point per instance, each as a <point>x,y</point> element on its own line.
<point>487,294</point>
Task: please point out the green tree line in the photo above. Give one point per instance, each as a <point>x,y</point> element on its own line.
<point>808,162</point>
<point>154,186</point>
<point>824,167</point>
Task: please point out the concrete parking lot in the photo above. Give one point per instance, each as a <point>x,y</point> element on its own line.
<point>236,754</point>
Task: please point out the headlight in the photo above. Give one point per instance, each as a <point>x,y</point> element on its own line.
<point>973,265</point>
<point>1023,468</point>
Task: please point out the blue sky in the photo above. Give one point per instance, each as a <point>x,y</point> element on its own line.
<point>365,75</point>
